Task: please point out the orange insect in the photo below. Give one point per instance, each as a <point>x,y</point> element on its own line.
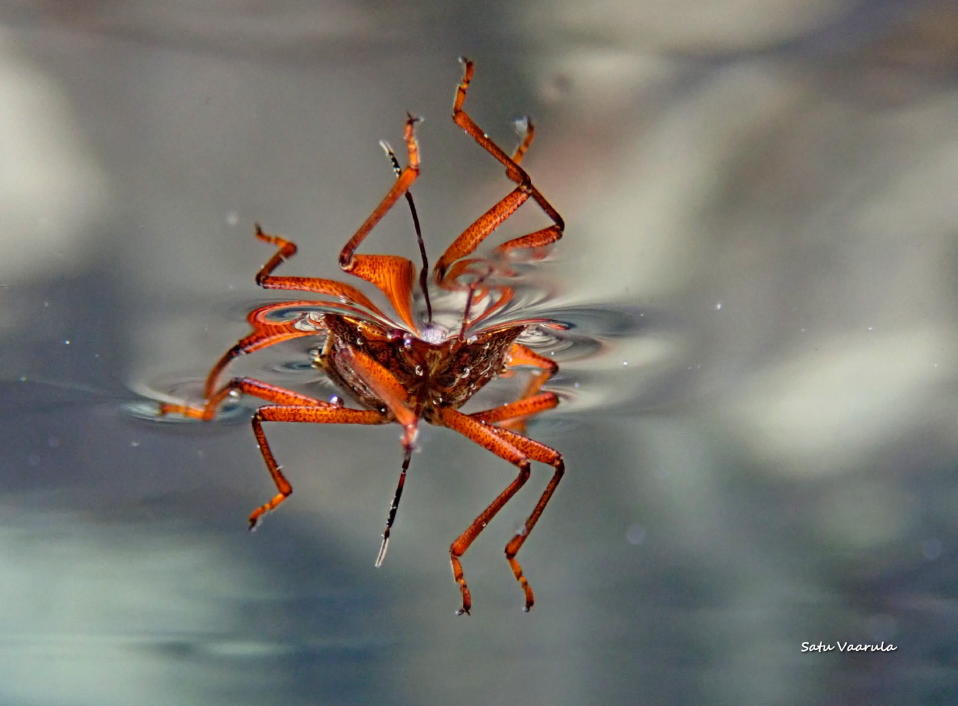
<point>402,371</point>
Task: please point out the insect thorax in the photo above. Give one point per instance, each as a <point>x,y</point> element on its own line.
<point>443,374</point>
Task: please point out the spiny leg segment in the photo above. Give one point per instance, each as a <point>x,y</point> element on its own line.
<point>483,227</point>
<point>518,450</point>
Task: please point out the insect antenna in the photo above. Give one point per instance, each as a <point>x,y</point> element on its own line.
<point>424,272</point>
<point>391,517</point>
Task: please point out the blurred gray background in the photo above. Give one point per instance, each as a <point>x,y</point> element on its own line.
<point>759,415</point>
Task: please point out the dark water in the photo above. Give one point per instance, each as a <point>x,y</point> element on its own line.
<point>759,399</point>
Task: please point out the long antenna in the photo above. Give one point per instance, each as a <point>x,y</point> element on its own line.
<point>391,517</point>
<point>424,272</point>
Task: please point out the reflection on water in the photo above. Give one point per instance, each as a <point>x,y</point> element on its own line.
<point>758,416</point>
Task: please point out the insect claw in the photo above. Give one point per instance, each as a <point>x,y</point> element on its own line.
<point>382,551</point>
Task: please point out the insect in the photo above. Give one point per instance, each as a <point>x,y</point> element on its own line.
<point>403,370</point>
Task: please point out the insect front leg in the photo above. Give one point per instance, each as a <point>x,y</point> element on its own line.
<point>513,171</point>
<point>393,275</point>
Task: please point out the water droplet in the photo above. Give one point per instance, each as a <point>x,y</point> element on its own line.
<point>931,548</point>
<point>871,328</point>
<point>359,340</point>
<point>625,362</point>
<point>407,341</point>
<point>336,400</point>
<point>66,341</point>
<point>134,444</point>
<point>718,306</point>
<point>473,339</point>
<point>232,218</point>
<point>635,534</point>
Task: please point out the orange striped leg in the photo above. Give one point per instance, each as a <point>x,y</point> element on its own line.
<point>484,435</point>
<point>523,355</point>
<point>286,249</point>
<point>247,386</point>
<point>545,454</point>
<point>527,132</point>
<point>392,274</point>
<point>511,163</point>
<point>520,409</point>
<point>321,413</point>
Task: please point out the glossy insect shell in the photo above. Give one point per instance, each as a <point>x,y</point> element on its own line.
<point>436,375</point>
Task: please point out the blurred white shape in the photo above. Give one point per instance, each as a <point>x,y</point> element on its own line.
<point>51,188</point>
<point>684,24</point>
<point>828,410</point>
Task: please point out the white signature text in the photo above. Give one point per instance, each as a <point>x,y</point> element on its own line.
<point>849,646</point>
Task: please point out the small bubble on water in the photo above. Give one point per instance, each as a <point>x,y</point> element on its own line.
<point>232,218</point>
<point>66,341</point>
<point>134,444</point>
<point>53,442</point>
<point>718,306</point>
<point>575,385</point>
<point>625,362</point>
<point>635,534</point>
<point>22,378</point>
<point>33,460</point>
<point>870,328</point>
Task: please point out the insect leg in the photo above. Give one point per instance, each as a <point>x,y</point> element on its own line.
<point>286,249</point>
<point>322,413</point>
<point>513,170</point>
<point>480,229</point>
<point>392,274</point>
<point>484,435</point>
<point>545,454</point>
<point>522,355</point>
<point>247,386</point>
<point>524,407</point>
<point>527,132</point>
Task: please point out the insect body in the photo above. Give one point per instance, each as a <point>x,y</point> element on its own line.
<point>400,370</point>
